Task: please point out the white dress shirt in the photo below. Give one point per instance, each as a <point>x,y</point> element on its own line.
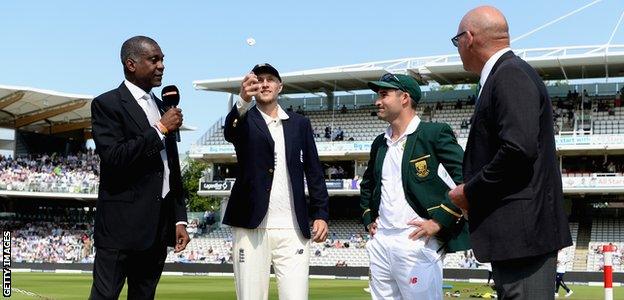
<point>394,211</point>
<point>148,104</point>
<point>489,64</point>
<point>281,212</point>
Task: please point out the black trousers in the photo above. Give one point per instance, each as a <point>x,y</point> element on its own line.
<point>559,283</point>
<point>526,278</point>
<point>141,268</point>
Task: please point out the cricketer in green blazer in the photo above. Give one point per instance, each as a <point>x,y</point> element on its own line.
<point>430,145</point>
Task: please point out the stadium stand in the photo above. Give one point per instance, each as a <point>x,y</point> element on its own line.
<point>50,173</point>
<point>71,242</point>
<point>361,124</point>
<point>50,242</point>
<point>606,231</point>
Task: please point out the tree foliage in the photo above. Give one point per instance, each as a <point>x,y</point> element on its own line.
<point>190,182</point>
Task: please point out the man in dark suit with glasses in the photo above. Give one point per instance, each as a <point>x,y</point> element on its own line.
<point>512,189</point>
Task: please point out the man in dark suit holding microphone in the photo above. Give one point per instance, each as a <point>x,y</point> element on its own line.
<point>512,188</point>
<point>140,208</point>
<point>267,207</point>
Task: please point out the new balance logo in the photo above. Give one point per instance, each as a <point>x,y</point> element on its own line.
<point>241,255</point>
<point>299,251</point>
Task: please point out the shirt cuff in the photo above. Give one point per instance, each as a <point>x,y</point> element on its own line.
<point>182,223</point>
<point>242,106</point>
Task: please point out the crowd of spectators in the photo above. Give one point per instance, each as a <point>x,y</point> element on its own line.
<point>69,242</point>
<point>76,173</point>
<point>209,255</point>
<point>617,256</point>
<point>50,242</point>
<point>332,134</point>
<point>593,164</point>
<point>204,248</point>
<point>357,241</point>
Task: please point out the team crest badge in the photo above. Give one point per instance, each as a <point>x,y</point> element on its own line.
<point>422,170</point>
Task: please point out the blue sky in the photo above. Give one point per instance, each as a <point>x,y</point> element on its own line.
<point>73,46</point>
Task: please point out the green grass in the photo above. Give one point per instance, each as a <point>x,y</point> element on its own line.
<point>77,286</point>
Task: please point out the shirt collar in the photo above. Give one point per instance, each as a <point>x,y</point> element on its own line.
<point>411,127</point>
<point>281,115</point>
<point>489,64</point>
<point>136,91</point>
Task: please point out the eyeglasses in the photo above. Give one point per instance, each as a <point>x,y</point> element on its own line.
<point>455,39</point>
<point>389,77</point>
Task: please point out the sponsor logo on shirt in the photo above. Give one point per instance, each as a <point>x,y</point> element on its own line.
<point>241,255</point>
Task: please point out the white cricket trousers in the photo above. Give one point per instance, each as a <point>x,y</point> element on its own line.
<point>255,249</point>
<point>402,268</point>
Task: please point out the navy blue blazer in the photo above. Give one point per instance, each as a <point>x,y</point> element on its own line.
<point>249,200</point>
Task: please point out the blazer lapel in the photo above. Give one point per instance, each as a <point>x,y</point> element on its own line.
<point>507,55</point>
<point>288,137</point>
<point>132,107</point>
<point>379,160</point>
<point>410,143</point>
<point>259,122</point>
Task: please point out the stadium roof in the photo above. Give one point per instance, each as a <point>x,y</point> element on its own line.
<point>555,63</point>
<point>41,110</point>
<point>46,111</point>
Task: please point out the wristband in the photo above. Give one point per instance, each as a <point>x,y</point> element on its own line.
<point>162,128</point>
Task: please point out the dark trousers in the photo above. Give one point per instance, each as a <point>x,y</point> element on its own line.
<point>526,278</point>
<point>559,283</point>
<point>141,268</point>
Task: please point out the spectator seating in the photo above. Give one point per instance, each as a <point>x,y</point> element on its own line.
<point>361,124</point>
<point>50,242</point>
<point>51,173</point>
<point>69,242</point>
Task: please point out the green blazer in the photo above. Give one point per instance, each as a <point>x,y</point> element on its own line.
<point>427,147</point>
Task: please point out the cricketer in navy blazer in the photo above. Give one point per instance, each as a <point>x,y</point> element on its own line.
<point>249,199</point>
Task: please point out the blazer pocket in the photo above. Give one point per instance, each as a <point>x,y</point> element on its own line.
<point>421,168</point>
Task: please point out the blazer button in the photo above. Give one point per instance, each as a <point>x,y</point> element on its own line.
<point>268,189</point>
<point>271,171</point>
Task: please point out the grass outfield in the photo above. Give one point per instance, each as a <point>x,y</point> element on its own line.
<point>77,286</point>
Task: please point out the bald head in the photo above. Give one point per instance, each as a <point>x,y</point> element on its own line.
<point>482,32</point>
<point>489,27</point>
